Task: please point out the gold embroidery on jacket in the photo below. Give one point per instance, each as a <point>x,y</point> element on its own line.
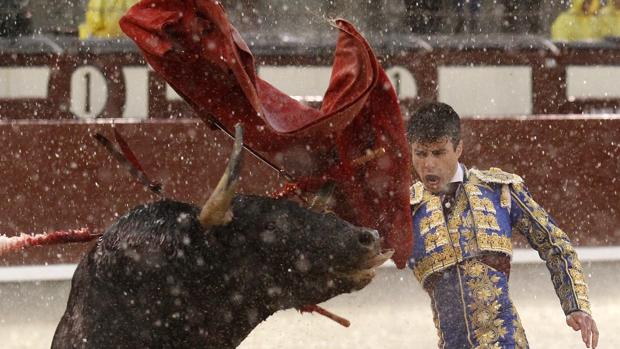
<point>488,205</point>
<point>505,197</point>
<point>520,338</point>
<point>494,242</point>
<point>488,327</point>
<point>449,254</point>
<point>436,218</point>
<point>476,203</point>
<point>434,262</point>
<point>437,321</point>
<point>433,204</point>
<point>425,225</point>
<point>415,193</point>
<point>495,175</point>
<point>433,227</point>
<point>436,239</point>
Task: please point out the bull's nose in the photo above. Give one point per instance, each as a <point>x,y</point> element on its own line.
<point>367,237</point>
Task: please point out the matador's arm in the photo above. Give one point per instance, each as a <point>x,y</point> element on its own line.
<point>553,246</point>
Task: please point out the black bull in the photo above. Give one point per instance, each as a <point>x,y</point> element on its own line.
<point>174,275</point>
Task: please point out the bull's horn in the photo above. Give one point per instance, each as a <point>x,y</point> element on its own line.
<point>321,201</point>
<point>216,211</point>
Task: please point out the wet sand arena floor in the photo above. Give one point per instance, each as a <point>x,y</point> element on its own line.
<point>392,312</point>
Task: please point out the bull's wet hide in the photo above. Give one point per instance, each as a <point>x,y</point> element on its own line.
<point>158,279</point>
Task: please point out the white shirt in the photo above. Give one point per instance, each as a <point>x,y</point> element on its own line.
<point>458,174</point>
<point>457,178</point>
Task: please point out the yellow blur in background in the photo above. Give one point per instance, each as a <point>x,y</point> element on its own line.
<point>102,18</point>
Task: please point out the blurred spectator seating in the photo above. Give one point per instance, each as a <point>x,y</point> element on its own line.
<point>102,18</point>
<point>15,18</point>
<point>374,11</point>
<point>467,16</point>
<point>293,22</point>
<point>521,16</point>
<point>473,16</point>
<point>423,16</point>
<point>245,14</point>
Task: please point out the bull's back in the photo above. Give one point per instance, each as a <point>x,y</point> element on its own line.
<point>127,264</point>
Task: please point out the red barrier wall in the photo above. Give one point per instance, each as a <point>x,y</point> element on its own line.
<point>55,176</point>
<point>120,69</point>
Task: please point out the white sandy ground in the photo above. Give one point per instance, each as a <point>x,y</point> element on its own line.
<point>392,312</point>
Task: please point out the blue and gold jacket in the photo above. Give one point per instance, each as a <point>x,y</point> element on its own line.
<point>489,207</point>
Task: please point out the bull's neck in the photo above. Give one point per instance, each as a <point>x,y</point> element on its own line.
<point>244,305</point>
<point>240,326</point>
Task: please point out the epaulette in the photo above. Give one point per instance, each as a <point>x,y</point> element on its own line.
<point>495,175</point>
<point>416,193</point>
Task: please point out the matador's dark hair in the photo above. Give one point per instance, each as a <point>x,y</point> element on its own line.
<point>433,121</point>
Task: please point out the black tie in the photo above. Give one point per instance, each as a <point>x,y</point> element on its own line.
<point>448,198</point>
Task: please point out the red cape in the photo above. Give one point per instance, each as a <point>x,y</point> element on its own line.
<point>193,46</point>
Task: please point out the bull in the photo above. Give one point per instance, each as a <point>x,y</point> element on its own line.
<point>173,275</point>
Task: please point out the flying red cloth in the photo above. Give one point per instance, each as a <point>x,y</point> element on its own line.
<point>356,139</point>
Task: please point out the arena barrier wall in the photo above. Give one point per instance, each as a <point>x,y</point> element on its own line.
<point>488,75</point>
<point>54,175</point>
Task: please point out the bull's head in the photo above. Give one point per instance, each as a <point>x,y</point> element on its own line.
<point>294,255</point>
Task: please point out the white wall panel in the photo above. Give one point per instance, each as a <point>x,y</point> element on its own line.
<point>136,92</point>
<point>297,80</point>
<point>24,82</point>
<point>594,81</point>
<point>487,90</point>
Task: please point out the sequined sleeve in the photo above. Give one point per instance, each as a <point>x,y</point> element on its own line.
<point>554,247</point>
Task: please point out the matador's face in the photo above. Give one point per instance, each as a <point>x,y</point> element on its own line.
<point>436,162</point>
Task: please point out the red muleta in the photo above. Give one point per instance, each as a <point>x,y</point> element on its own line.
<point>356,139</point>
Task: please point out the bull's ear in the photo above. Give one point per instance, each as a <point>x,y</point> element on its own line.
<point>217,211</point>
<point>321,202</point>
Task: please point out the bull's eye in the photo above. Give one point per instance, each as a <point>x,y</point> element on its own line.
<point>270,226</point>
